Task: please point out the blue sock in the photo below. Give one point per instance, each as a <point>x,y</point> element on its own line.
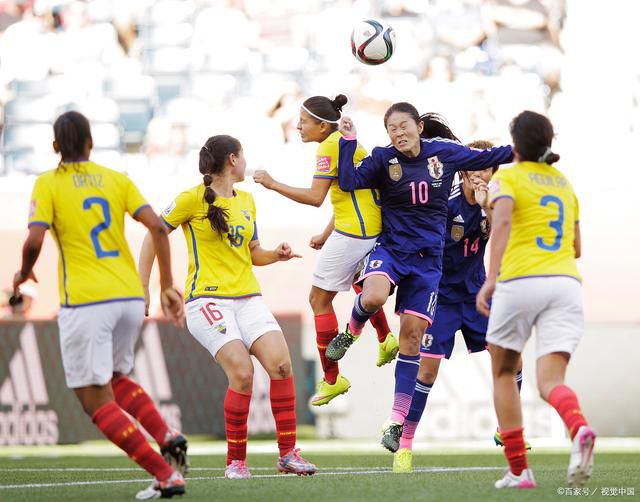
<point>406,374</point>
<point>418,404</point>
<point>519,380</point>
<point>359,316</point>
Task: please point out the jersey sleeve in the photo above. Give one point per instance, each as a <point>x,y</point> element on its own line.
<point>41,208</point>
<point>135,202</point>
<point>179,211</point>
<point>351,177</point>
<point>465,158</point>
<point>501,186</point>
<point>327,161</point>
<point>577,206</point>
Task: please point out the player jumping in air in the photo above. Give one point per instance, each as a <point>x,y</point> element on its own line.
<point>224,308</point>
<point>348,238</point>
<point>468,228</point>
<point>101,297</point>
<point>534,246</point>
<point>414,177</point>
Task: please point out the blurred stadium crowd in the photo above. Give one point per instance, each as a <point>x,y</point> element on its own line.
<point>156,78</point>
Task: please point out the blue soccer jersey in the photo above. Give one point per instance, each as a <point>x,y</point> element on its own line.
<point>414,191</point>
<point>465,241</point>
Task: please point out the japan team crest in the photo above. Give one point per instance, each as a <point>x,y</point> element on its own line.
<point>436,168</point>
<point>375,264</point>
<point>427,340</point>
<point>457,231</point>
<point>395,172</point>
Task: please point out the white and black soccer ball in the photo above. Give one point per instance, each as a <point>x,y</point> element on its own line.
<point>373,41</point>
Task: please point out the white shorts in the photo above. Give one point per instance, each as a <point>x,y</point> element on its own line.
<point>215,322</point>
<point>98,340</point>
<point>552,304</point>
<point>339,260</point>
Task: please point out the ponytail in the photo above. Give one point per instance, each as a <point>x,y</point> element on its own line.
<point>213,156</point>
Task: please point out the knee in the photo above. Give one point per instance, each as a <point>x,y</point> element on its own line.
<point>373,301</point>
<point>318,302</point>
<point>428,377</point>
<point>283,369</point>
<point>412,338</point>
<point>242,379</point>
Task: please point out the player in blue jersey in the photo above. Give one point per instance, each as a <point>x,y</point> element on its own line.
<point>414,176</point>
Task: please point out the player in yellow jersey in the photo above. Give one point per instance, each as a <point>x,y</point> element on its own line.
<point>225,311</point>
<point>101,296</point>
<point>535,241</point>
<point>348,238</point>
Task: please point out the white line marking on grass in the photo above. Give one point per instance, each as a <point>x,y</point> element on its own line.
<point>352,472</point>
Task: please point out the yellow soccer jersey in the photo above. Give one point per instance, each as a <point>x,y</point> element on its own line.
<point>219,267</point>
<point>84,205</point>
<point>357,214</point>
<point>545,212</point>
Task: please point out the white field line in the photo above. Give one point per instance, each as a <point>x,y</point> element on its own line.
<point>374,470</point>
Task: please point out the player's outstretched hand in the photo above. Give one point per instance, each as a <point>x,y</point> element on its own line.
<point>484,296</point>
<point>285,253</point>
<point>18,279</point>
<point>173,306</point>
<point>264,178</point>
<point>347,127</point>
<point>317,241</point>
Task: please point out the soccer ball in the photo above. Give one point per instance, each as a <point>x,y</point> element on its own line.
<point>373,41</point>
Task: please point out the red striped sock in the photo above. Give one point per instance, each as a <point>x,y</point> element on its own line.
<point>378,320</point>
<point>565,401</point>
<point>136,402</point>
<point>236,413</point>
<point>283,406</point>
<point>326,330</point>
<point>515,450</point>
<point>122,432</point>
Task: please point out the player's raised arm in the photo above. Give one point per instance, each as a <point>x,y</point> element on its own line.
<point>312,196</point>
<point>351,177</point>
<point>472,159</point>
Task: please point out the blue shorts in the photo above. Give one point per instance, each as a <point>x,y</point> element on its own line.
<point>438,341</point>
<point>415,276</point>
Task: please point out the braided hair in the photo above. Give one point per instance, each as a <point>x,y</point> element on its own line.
<point>213,155</point>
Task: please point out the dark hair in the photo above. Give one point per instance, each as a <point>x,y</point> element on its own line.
<point>213,155</point>
<point>403,108</point>
<point>532,135</point>
<point>436,126</point>
<point>327,109</point>
<point>71,130</point>
<point>483,144</point>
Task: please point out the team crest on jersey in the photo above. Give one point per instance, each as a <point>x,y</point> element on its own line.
<point>375,264</point>
<point>246,213</point>
<point>395,171</point>
<point>169,208</point>
<point>457,231</point>
<point>436,168</point>
<point>427,340</point>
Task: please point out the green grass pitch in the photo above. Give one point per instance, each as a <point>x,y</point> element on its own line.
<point>342,477</point>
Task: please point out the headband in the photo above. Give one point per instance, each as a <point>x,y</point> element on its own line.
<point>318,117</point>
